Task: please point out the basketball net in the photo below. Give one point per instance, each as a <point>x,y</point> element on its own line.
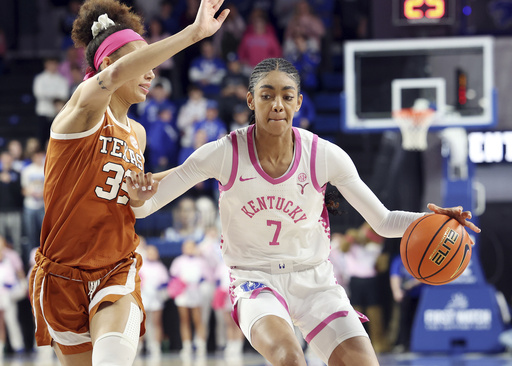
<point>414,125</point>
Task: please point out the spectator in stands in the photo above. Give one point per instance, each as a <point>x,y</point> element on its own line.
<point>77,76</point>
<point>234,76</point>
<point>209,250</point>
<point>32,183</point>
<point>185,57</point>
<point>305,56</point>
<point>32,145</point>
<point>156,33</point>
<point>259,41</point>
<point>240,119</point>
<point>207,70</point>
<point>11,199</point>
<point>184,225</point>
<point>15,148</point>
<point>305,116</point>
<point>165,141</point>
<point>284,10</point>
<point>338,260</point>
<point>221,302</point>
<point>362,248</point>
<point>228,38</point>
<point>158,100</point>
<point>234,88</point>
<point>148,8</point>
<point>15,283</point>
<point>75,58</point>
<point>47,86</point>
<point>66,23</point>
<point>193,111</point>
<point>189,13</point>
<point>351,19</point>
<point>406,293</point>
<point>211,127</point>
<point>153,286</point>
<point>306,24</point>
<point>170,13</point>
<point>187,272</point>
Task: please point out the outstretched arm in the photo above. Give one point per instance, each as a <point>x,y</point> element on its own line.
<point>386,223</point>
<point>148,194</point>
<point>88,103</point>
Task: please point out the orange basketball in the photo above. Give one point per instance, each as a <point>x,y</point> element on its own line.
<point>435,249</point>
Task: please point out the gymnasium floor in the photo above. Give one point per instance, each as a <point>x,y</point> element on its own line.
<point>253,359</point>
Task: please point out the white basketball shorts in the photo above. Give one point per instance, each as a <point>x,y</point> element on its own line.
<point>309,299</point>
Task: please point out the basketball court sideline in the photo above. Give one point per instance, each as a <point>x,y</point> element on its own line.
<point>253,359</point>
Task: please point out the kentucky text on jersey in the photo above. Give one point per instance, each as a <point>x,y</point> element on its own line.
<point>274,203</point>
<point>119,148</point>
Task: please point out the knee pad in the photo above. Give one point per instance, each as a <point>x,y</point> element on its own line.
<point>119,349</point>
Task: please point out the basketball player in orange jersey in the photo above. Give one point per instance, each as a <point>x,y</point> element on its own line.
<point>275,227</point>
<point>85,287</point>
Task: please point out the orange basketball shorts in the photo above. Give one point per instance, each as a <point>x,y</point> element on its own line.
<point>64,299</point>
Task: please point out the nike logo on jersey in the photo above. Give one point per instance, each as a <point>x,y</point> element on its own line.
<point>466,250</point>
<point>246,179</point>
<point>108,126</point>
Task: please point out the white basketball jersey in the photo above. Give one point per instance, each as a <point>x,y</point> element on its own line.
<point>269,220</point>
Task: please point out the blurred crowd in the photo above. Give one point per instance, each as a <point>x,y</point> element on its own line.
<point>197,96</point>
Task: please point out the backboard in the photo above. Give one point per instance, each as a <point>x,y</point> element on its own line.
<point>454,74</point>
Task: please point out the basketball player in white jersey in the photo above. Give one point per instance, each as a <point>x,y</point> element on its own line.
<point>275,225</point>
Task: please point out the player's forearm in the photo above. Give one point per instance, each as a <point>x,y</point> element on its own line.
<point>160,175</point>
<point>147,58</point>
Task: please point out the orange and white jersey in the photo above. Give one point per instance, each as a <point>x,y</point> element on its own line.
<point>88,222</point>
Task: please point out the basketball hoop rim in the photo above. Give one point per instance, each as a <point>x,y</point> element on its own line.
<point>413,113</point>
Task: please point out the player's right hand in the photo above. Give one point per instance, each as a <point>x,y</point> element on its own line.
<point>206,24</point>
<point>141,186</point>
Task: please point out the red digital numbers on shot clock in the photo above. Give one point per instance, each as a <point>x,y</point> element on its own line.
<point>418,9</point>
<point>423,12</point>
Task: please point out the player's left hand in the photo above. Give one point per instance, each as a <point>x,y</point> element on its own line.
<point>457,213</point>
<point>141,186</point>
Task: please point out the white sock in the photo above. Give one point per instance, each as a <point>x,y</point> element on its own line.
<point>200,346</point>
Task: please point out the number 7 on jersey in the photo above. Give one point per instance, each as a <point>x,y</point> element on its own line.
<point>276,233</point>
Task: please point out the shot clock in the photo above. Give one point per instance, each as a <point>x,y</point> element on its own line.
<point>423,12</point>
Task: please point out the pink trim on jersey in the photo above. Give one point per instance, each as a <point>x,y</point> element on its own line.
<point>257,166</point>
<point>234,167</point>
<point>323,324</point>
<point>312,164</point>
<point>234,315</point>
<point>254,294</point>
<point>281,299</point>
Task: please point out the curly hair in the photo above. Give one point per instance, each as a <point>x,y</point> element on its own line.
<point>89,12</point>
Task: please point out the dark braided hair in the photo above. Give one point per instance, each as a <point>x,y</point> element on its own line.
<point>272,64</point>
<point>89,12</point>
<point>332,201</point>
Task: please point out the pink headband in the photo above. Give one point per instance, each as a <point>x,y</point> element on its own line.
<point>111,44</point>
